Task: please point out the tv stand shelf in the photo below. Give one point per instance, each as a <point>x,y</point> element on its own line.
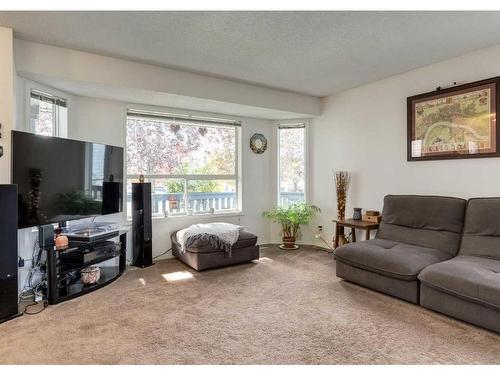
<point>61,287</point>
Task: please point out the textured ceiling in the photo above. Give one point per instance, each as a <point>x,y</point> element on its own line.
<point>314,53</point>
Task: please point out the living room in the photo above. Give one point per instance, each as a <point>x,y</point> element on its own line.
<point>274,187</point>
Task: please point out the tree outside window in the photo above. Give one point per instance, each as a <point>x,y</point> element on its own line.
<point>192,167</point>
<point>291,164</point>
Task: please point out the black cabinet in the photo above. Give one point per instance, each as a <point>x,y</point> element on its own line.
<point>142,226</point>
<point>63,278</point>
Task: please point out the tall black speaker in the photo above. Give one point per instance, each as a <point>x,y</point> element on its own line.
<point>142,251</point>
<point>8,252</point>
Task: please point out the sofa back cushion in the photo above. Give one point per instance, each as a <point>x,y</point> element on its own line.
<point>482,228</point>
<point>428,221</point>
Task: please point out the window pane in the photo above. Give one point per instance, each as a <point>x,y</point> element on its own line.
<point>165,147</point>
<point>204,195</point>
<point>96,170</point>
<point>42,117</point>
<point>291,165</point>
<point>167,196</point>
<point>97,165</point>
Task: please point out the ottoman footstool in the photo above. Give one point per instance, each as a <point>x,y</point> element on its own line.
<point>202,256</point>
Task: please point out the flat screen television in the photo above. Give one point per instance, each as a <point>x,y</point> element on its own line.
<point>62,179</point>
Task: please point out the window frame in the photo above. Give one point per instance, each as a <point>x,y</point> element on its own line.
<point>189,120</point>
<point>298,123</point>
<point>57,123</point>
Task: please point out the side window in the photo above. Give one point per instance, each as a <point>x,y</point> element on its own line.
<point>291,164</point>
<point>48,114</point>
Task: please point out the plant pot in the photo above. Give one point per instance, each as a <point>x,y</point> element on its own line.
<point>289,243</point>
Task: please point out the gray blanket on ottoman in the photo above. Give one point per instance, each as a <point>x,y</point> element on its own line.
<point>219,235</point>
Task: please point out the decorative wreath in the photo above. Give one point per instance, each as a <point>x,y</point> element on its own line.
<point>258,143</point>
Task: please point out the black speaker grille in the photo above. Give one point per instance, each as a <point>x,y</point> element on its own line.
<point>8,251</point>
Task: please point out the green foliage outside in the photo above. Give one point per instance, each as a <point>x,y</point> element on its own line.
<point>174,186</point>
<point>177,186</point>
<point>167,148</point>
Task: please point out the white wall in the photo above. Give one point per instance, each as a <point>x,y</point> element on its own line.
<point>6,100</point>
<point>363,131</point>
<point>35,59</point>
<point>97,120</point>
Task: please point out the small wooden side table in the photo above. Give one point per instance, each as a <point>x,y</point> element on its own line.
<point>367,226</point>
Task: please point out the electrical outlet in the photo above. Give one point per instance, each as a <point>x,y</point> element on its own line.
<point>21,262</point>
<point>319,231</point>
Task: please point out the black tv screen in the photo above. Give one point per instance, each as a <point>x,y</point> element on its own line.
<point>62,179</point>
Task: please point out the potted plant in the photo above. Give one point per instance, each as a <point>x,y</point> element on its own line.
<point>291,218</point>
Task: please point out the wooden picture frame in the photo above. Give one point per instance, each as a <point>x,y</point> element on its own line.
<point>454,123</point>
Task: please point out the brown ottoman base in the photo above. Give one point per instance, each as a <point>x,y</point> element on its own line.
<point>202,257</point>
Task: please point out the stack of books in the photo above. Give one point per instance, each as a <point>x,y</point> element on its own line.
<point>373,216</point>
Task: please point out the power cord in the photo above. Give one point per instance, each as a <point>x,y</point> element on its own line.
<point>165,252</point>
<point>129,261</point>
<point>34,292</point>
<point>330,249</point>
<point>28,288</point>
<point>44,306</point>
<point>31,291</point>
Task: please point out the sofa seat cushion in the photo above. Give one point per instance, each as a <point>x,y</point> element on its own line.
<point>245,239</point>
<point>474,278</point>
<point>389,258</point>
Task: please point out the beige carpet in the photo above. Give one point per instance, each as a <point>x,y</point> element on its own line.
<point>287,308</point>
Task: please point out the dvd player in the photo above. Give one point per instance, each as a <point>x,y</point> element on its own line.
<point>87,254</point>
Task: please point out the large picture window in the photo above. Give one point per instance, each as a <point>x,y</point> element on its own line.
<point>48,114</point>
<point>191,162</point>
<point>291,163</point>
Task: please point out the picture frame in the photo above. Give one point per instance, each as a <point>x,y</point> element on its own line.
<point>454,123</point>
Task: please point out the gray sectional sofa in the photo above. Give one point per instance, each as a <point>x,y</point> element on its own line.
<point>424,253</point>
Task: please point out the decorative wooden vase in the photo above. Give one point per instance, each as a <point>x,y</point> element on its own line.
<point>342,182</point>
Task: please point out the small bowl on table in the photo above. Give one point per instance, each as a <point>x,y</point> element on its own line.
<point>90,275</point>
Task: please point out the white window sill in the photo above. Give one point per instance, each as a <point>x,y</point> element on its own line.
<point>194,216</point>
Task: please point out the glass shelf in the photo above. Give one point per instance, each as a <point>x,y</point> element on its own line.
<point>108,274</point>
<point>67,268</point>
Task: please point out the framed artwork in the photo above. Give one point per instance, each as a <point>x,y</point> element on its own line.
<point>454,123</point>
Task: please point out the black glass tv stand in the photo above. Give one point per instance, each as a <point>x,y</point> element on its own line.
<point>63,277</point>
